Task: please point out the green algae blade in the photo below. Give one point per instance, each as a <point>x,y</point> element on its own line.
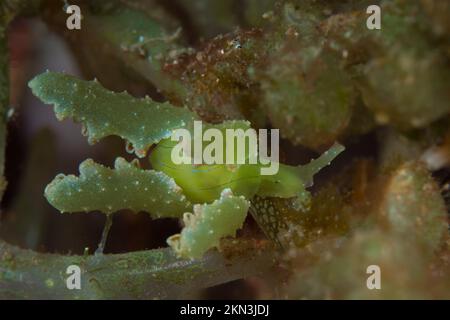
<point>124,187</point>
<point>208,224</point>
<point>141,122</point>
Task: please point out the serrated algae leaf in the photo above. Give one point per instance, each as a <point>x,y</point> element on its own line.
<point>141,122</point>
<point>208,224</point>
<point>124,187</point>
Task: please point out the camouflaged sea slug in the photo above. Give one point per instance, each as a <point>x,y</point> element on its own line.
<point>213,200</point>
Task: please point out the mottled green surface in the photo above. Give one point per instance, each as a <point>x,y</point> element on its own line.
<point>204,228</point>
<point>151,274</point>
<point>134,36</point>
<point>315,71</point>
<point>414,207</point>
<point>140,37</point>
<point>141,122</point>
<point>405,235</point>
<point>407,82</point>
<point>314,98</point>
<point>124,187</point>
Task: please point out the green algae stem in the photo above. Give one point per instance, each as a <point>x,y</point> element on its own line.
<point>153,274</point>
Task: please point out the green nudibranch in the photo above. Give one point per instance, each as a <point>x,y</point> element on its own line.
<point>224,191</point>
<point>204,183</point>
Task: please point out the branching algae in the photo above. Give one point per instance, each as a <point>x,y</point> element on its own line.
<point>218,195</point>
<point>309,67</point>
